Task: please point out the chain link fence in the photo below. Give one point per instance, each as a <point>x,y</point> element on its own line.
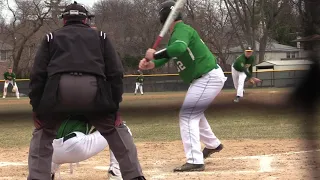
<point>172,82</point>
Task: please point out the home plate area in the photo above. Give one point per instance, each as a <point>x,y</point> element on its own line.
<point>272,166</point>
<point>241,159</point>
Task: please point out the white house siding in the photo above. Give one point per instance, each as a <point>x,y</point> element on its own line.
<point>292,67</point>
<point>274,56</point>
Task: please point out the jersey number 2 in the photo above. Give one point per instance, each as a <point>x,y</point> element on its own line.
<point>180,66</point>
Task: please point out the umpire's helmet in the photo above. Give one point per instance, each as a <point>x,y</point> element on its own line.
<point>165,9</point>
<point>75,12</point>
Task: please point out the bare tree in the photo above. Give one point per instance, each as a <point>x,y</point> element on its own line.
<point>131,25</point>
<point>27,19</point>
<point>255,20</point>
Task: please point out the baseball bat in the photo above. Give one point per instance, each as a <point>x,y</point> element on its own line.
<point>170,19</point>
<point>172,16</point>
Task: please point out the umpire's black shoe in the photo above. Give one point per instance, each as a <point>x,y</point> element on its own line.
<point>187,167</point>
<point>207,152</point>
<point>139,178</point>
<point>52,176</point>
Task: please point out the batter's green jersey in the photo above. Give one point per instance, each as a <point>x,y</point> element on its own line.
<point>9,76</point>
<point>139,79</point>
<point>72,124</point>
<point>241,64</point>
<point>192,57</point>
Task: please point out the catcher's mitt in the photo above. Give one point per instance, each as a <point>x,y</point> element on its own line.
<point>254,80</point>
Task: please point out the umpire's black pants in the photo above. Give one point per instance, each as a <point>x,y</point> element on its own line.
<point>76,93</point>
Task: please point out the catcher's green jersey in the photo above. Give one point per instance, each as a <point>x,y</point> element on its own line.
<point>244,64</point>
<point>9,76</point>
<point>192,57</point>
<point>72,124</point>
<point>139,79</point>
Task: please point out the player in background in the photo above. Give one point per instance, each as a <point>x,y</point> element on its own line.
<point>77,141</point>
<point>10,78</point>
<point>198,67</point>
<point>242,69</point>
<point>139,83</point>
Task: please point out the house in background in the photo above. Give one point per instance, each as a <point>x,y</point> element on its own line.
<point>274,52</point>
<point>5,57</point>
<point>283,65</point>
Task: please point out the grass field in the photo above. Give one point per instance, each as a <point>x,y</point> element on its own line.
<point>263,137</point>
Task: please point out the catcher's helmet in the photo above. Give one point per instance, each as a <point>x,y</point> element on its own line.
<point>165,9</point>
<point>75,12</point>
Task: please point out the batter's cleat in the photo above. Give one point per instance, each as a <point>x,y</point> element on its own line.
<point>236,100</point>
<point>187,167</point>
<point>207,152</point>
<point>3,97</point>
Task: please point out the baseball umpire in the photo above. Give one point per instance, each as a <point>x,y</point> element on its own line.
<point>77,70</point>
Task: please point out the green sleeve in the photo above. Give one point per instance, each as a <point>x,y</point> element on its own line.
<point>160,62</point>
<point>251,62</point>
<point>248,72</point>
<point>5,76</point>
<point>242,62</point>
<point>180,41</point>
<point>13,78</point>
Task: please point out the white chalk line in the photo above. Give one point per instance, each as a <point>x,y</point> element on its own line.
<point>268,155</point>
<point>265,162</point>
<point>265,165</point>
<point>103,168</point>
<point>3,164</point>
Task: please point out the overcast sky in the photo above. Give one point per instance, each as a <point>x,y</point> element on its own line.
<point>7,15</point>
<point>86,2</point>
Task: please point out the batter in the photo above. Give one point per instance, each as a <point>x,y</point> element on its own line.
<point>198,67</point>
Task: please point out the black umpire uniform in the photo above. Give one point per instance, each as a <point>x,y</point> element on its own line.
<point>77,70</point>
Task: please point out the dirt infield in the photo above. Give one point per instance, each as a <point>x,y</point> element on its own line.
<point>243,159</point>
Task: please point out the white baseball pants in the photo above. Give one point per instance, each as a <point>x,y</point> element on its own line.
<point>80,148</point>
<point>140,87</point>
<point>6,84</point>
<point>238,81</point>
<point>194,127</point>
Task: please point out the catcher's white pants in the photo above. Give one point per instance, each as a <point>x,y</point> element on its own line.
<point>194,127</point>
<point>6,84</point>
<point>80,148</point>
<point>140,87</point>
<point>238,81</point>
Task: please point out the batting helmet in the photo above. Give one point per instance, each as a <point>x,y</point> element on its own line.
<point>165,9</point>
<point>75,12</point>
